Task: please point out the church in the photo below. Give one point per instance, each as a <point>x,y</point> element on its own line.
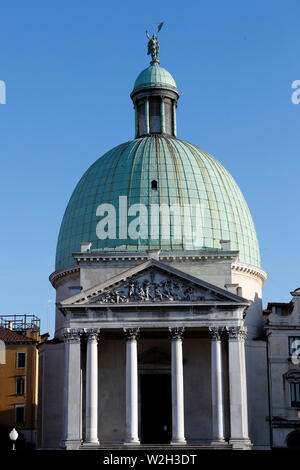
<point>160,336</point>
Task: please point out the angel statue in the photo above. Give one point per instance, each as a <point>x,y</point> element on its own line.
<point>153,46</point>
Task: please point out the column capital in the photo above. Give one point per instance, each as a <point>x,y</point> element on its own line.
<point>131,334</point>
<point>237,333</point>
<point>177,332</point>
<point>92,334</point>
<point>216,332</point>
<point>72,335</point>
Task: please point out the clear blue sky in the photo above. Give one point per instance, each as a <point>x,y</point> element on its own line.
<point>69,67</point>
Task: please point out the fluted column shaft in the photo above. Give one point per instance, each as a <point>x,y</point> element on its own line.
<point>177,386</point>
<point>71,437</point>
<point>92,388</point>
<point>238,388</point>
<point>132,436</point>
<point>217,385</point>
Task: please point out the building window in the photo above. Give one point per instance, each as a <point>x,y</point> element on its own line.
<point>2,352</point>
<point>294,344</point>
<point>20,385</point>
<point>295,394</point>
<point>154,184</point>
<point>19,414</point>
<point>21,360</point>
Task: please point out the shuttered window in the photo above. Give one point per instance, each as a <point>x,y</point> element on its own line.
<point>20,385</point>
<point>295,394</point>
<point>21,360</point>
<point>20,414</point>
<point>294,344</point>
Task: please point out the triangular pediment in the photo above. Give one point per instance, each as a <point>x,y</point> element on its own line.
<point>153,282</point>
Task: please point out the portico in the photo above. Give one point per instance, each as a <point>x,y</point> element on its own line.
<point>162,327</point>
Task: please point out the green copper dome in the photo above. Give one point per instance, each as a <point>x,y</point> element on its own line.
<point>182,173</point>
<point>155,76</point>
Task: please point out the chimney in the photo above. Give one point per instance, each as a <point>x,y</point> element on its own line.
<point>153,254</point>
<point>225,245</point>
<point>85,247</point>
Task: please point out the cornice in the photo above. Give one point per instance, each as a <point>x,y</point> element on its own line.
<point>100,257</point>
<point>249,269</point>
<point>184,255</point>
<point>57,275</point>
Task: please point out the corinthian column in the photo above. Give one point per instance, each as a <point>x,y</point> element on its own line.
<point>71,437</point>
<point>92,388</point>
<point>238,388</point>
<point>132,436</point>
<point>217,385</point>
<point>177,387</point>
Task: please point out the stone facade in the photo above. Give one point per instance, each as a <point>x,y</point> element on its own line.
<point>283,336</point>
<point>157,319</point>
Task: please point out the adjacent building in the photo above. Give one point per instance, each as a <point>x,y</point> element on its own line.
<point>282,325</point>
<point>19,337</point>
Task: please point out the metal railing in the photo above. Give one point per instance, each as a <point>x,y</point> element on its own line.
<point>20,322</point>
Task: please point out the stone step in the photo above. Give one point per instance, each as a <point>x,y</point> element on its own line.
<point>158,447</point>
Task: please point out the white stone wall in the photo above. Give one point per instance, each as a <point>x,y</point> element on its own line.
<point>252,290</point>
<point>63,292</point>
<point>215,272</point>
<point>258,395</point>
<point>51,381</point>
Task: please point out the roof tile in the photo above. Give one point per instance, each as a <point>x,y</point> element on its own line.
<point>9,336</point>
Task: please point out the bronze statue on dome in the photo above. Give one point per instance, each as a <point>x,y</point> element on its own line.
<point>153,45</point>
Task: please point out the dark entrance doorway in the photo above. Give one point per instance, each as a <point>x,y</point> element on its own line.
<point>156,408</point>
<point>293,440</point>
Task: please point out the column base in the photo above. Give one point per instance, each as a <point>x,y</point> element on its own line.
<point>132,442</point>
<point>91,444</point>
<point>219,444</point>
<point>216,442</point>
<point>240,444</point>
<point>70,444</point>
<point>178,442</point>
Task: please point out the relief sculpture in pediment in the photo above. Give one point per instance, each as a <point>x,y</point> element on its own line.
<point>152,287</point>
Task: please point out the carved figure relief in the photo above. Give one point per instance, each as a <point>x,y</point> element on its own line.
<point>153,286</point>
